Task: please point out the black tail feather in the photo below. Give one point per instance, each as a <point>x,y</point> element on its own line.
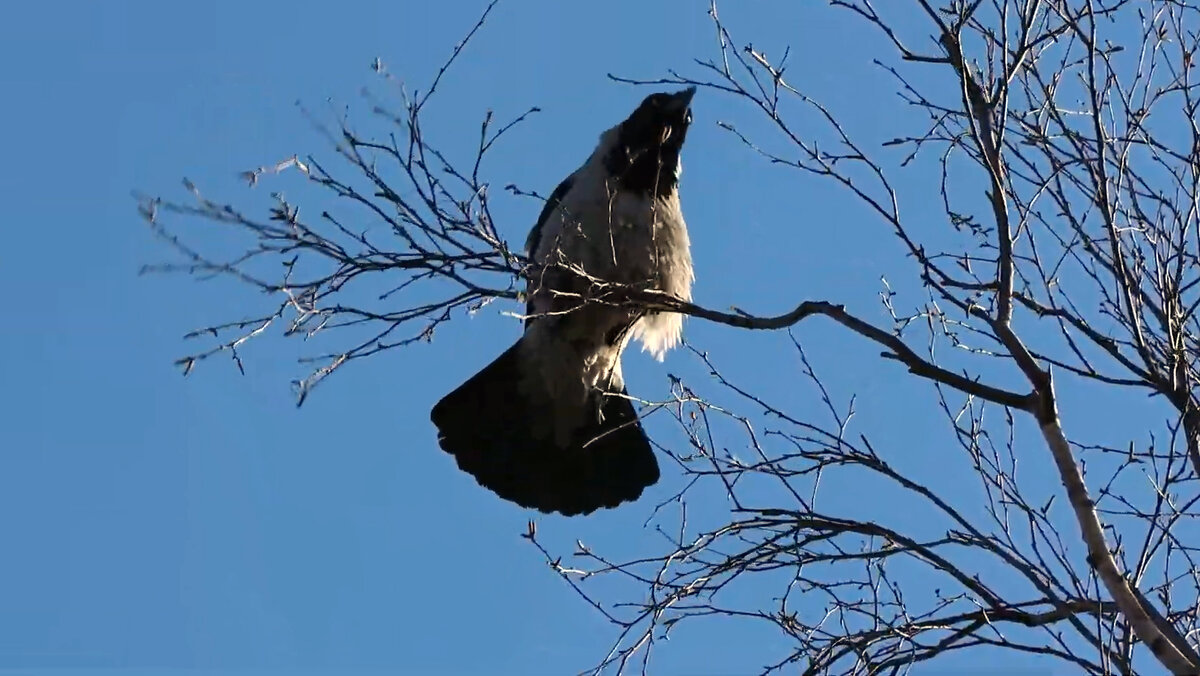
<point>490,427</point>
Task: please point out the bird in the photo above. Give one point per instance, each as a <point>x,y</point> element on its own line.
<point>549,424</point>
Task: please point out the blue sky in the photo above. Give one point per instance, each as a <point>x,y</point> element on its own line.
<point>155,521</point>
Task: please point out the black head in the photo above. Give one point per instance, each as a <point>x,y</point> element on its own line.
<point>645,158</point>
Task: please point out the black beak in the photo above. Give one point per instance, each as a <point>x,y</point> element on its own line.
<point>681,100</point>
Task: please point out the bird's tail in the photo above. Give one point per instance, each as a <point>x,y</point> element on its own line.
<point>500,429</point>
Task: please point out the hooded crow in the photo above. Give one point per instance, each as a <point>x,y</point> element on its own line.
<point>548,424</point>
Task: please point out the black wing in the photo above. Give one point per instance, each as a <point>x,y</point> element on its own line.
<point>535,235</point>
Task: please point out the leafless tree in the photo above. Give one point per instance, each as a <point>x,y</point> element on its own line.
<point>1066,145</point>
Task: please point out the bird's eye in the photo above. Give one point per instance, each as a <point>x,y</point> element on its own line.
<point>687,117</point>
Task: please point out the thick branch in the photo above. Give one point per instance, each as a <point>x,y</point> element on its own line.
<point>896,348</point>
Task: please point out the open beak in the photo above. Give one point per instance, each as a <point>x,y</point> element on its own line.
<point>677,106</point>
<point>681,100</point>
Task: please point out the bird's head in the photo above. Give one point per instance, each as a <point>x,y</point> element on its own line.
<point>644,156</point>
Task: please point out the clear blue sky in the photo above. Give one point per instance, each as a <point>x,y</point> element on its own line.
<point>149,520</point>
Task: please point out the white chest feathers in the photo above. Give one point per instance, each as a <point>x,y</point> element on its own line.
<point>625,238</point>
